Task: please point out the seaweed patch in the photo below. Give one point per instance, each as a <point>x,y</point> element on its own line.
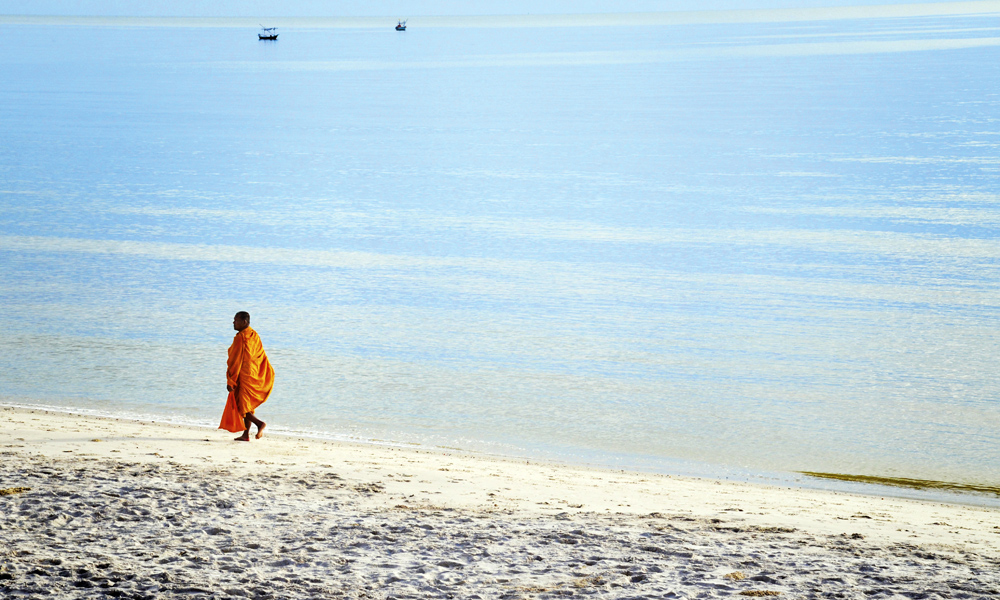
<point>917,484</point>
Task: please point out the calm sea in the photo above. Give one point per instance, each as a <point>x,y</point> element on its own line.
<point>742,247</point>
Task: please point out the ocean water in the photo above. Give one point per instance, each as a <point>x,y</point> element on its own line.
<point>742,247</point>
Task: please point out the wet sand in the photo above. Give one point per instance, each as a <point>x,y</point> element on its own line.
<point>93,508</point>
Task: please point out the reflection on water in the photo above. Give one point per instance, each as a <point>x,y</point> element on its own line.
<point>769,246</point>
<point>610,58</point>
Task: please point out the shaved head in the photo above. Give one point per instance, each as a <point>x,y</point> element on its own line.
<point>241,321</point>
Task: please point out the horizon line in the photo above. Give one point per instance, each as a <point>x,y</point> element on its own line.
<point>878,11</point>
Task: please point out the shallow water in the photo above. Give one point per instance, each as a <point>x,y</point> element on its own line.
<point>745,246</point>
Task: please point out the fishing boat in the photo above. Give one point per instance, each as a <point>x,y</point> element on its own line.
<point>267,33</point>
<point>401,26</point>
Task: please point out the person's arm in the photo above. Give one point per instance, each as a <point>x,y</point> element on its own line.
<point>235,363</point>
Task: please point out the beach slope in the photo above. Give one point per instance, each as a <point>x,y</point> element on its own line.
<point>93,507</point>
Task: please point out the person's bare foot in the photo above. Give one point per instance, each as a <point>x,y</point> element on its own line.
<point>243,438</point>
<point>260,430</point>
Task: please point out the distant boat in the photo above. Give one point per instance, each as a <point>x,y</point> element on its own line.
<point>267,33</point>
<point>401,26</point>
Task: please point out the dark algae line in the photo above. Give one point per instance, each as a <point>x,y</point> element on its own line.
<point>917,484</point>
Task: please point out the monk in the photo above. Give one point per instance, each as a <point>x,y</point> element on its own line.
<point>249,380</point>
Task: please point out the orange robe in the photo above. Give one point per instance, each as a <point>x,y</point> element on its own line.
<point>251,376</point>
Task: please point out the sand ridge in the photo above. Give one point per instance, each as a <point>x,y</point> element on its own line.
<point>153,511</point>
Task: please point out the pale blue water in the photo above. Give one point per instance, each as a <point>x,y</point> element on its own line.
<point>749,247</point>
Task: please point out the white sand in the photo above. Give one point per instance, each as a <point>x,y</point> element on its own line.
<point>139,510</point>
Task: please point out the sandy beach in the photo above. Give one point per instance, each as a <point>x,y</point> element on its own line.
<point>94,507</point>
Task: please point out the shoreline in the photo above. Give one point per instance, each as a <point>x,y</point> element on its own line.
<point>143,510</point>
<point>864,485</point>
<point>57,434</point>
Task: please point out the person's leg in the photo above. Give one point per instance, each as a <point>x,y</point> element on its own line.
<point>251,418</point>
<point>246,432</point>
